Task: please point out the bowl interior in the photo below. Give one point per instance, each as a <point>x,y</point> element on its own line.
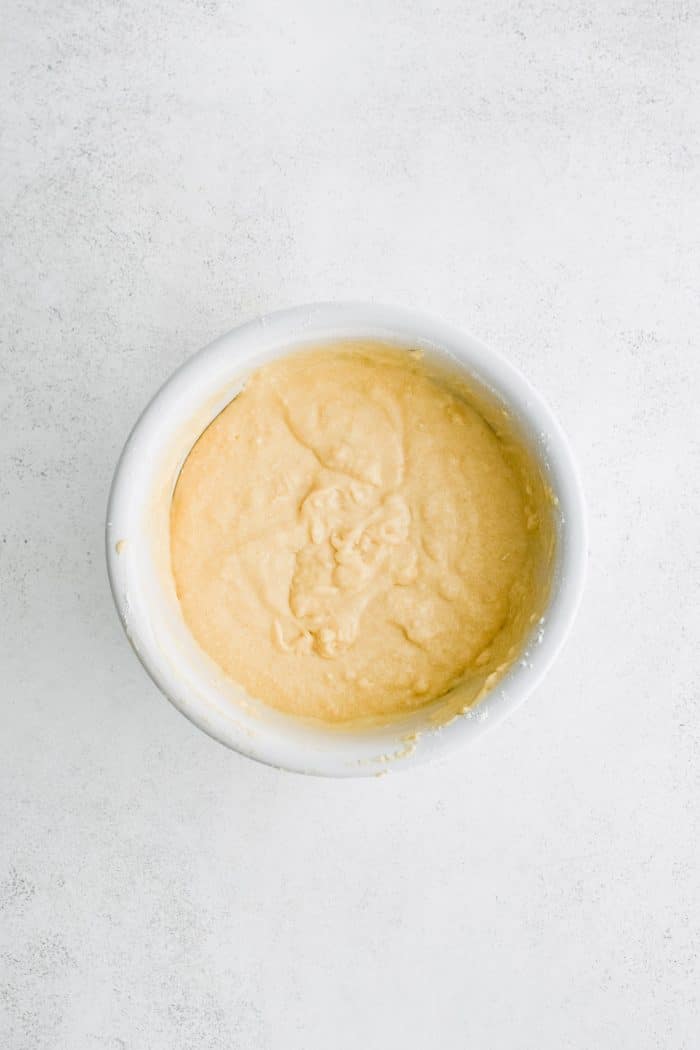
<point>139,561</point>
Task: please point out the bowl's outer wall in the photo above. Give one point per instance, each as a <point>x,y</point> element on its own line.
<point>287,743</point>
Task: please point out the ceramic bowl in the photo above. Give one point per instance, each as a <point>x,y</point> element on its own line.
<point>137,538</point>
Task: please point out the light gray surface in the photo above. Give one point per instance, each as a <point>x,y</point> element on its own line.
<point>527,170</point>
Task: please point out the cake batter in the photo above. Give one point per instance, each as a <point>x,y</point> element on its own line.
<point>350,538</point>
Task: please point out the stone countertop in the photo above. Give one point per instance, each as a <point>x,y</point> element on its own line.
<point>529,171</point>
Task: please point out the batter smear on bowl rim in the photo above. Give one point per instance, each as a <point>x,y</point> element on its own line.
<point>351,538</point>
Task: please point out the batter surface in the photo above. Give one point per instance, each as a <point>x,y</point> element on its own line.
<point>349,538</point>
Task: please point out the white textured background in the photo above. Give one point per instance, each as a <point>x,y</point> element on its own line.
<point>530,170</point>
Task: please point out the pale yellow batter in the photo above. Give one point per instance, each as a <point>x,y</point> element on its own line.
<point>349,538</point>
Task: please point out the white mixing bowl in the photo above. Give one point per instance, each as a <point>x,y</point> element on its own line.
<point>138,544</point>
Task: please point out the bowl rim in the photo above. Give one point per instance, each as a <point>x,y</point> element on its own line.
<point>314,323</point>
